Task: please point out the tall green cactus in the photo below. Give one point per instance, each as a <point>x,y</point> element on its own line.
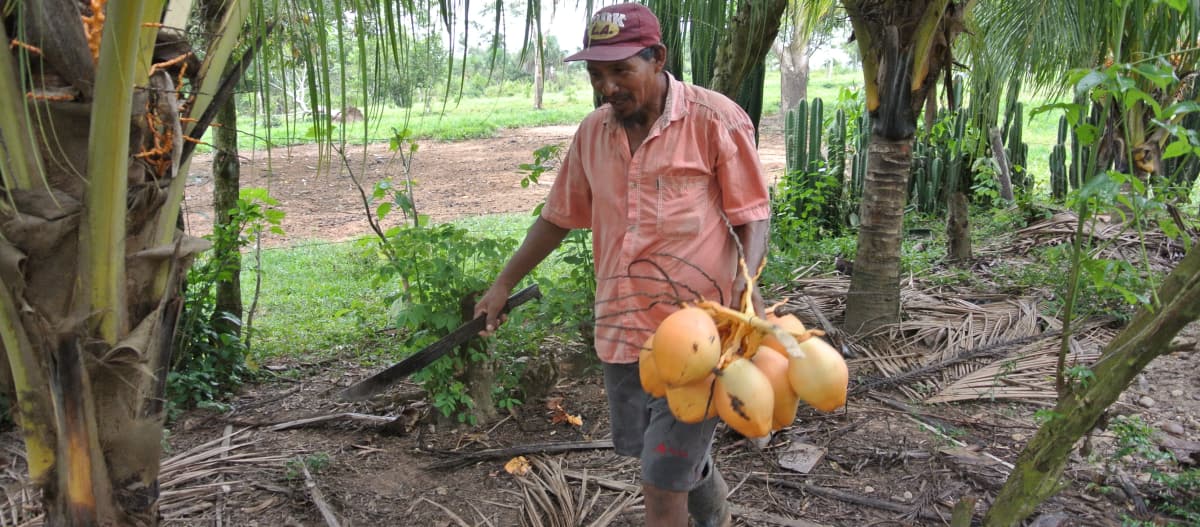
<point>858,169</point>
<point>1058,163</point>
<point>812,188</point>
<point>1016,147</point>
<point>837,148</point>
<point>795,136</point>
<point>816,122</point>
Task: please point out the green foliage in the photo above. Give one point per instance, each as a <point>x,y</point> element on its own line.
<point>813,200</point>
<point>315,463</point>
<point>438,268</point>
<point>1135,438</point>
<point>210,357</point>
<point>1181,494</point>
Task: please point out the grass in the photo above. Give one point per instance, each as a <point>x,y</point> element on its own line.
<point>471,117</point>
<point>314,299</point>
<point>318,298</point>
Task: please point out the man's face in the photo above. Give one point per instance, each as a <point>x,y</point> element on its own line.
<point>629,85</point>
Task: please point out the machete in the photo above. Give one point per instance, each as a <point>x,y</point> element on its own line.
<point>374,384</point>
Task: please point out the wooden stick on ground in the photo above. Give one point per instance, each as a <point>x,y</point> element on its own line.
<point>225,444</point>
<point>848,497</point>
<point>367,418</point>
<point>462,459</point>
<point>317,497</point>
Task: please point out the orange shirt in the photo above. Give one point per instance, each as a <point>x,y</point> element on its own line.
<point>656,216</point>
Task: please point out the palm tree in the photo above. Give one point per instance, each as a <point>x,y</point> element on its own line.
<point>804,22</point>
<point>93,131</point>
<point>93,126</point>
<point>904,45</point>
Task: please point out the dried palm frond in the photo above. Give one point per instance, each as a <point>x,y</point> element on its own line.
<point>1028,373</point>
<point>1109,240</point>
<point>189,482</point>
<point>549,500</point>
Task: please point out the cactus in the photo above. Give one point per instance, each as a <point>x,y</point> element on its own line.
<point>837,167</point>
<point>1015,146</point>
<point>858,171</point>
<point>815,130</point>
<point>795,128</point>
<point>837,149</point>
<point>1058,163</point>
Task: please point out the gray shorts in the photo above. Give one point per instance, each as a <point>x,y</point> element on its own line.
<point>674,455</point>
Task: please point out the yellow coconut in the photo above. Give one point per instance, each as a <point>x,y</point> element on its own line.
<point>789,323</point>
<point>775,367</point>
<point>692,403</point>
<point>686,346</point>
<point>745,400</point>
<point>648,372</point>
<point>820,377</point>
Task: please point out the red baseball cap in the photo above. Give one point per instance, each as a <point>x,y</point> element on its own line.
<point>617,32</point>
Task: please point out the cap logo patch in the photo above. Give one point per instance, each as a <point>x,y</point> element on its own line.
<point>606,25</point>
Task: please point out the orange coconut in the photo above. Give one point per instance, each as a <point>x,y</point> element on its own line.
<point>692,403</point>
<point>648,372</point>
<point>744,398</point>
<point>820,377</point>
<point>686,346</point>
<point>775,367</point>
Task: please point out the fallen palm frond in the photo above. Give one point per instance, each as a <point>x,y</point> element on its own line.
<point>935,344</point>
<point>1110,240</point>
<point>190,482</point>
<point>1028,373</point>
<point>936,329</point>
<point>550,501</point>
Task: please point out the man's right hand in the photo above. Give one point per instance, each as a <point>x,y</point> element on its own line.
<point>492,305</point>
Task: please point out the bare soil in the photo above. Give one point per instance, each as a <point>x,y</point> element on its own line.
<point>880,468</point>
<point>452,180</point>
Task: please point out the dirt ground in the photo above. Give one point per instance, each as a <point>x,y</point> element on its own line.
<point>879,467</point>
<point>453,180</point>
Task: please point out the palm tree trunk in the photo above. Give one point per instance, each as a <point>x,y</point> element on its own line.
<point>874,298</point>
<point>793,61</point>
<point>751,31</point>
<point>226,184</point>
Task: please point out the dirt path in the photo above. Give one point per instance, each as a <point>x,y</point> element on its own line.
<point>454,180</point>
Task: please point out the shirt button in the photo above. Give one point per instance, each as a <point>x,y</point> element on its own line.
<point>632,228</point>
<point>633,184</point>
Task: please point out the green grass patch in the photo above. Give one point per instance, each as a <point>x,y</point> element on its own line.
<point>315,298</point>
<point>468,118</point>
<point>319,298</point>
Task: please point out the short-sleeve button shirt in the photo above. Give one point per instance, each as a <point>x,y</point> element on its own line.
<point>658,216</point>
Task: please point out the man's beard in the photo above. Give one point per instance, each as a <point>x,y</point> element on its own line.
<point>637,118</point>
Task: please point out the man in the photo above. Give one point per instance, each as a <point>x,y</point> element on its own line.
<point>667,177</point>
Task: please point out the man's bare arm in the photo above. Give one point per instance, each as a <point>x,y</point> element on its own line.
<point>541,240</point>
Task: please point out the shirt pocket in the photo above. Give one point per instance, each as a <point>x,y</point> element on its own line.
<point>683,203</point>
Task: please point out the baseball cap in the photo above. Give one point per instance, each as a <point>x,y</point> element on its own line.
<point>617,32</point>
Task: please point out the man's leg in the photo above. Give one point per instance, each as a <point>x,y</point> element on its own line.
<point>707,502</point>
<point>677,473</point>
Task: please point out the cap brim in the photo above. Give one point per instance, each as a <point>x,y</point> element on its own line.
<point>606,53</point>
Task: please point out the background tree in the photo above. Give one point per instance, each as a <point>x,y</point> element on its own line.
<point>93,121</point>
<point>904,47</point>
<point>803,24</point>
